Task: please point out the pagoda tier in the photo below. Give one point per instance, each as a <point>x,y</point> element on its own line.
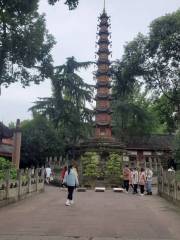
<point>103,97</point>
<point>103,84</point>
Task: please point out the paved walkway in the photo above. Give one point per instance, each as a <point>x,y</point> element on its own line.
<point>94,216</point>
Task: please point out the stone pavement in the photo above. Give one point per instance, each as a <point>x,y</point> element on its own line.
<point>94,216</point>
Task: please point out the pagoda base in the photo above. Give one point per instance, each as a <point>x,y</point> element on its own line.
<point>103,147</point>
<point>99,145</point>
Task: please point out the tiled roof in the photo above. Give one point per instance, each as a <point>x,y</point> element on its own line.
<point>150,142</point>
<point>6,150</point>
<point>5,132</point>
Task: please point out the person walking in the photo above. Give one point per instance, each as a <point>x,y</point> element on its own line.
<point>63,171</point>
<point>142,181</point>
<point>149,175</point>
<point>48,174</point>
<point>75,167</point>
<point>71,180</point>
<point>131,179</point>
<point>135,181</point>
<point>126,177</point>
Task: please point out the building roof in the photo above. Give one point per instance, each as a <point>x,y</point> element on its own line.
<point>6,150</point>
<point>150,142</point>
<point>5,132</point>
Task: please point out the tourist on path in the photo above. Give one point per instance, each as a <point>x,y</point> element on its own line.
<point>142,181</point>
<point>126,177</point>
<point>135,179</point>
<point>130,179</point>
<point>63,171</point>
<point>71,180</point>
<point>75,167</point>
<point>149,175</point>
<point>48,174</point>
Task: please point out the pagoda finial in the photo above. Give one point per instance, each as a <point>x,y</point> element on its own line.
<point>104,10</point>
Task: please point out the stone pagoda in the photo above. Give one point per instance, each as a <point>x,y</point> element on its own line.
<point>103,111</point>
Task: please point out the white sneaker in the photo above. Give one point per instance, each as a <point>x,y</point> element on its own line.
<point>68,203</point>
<point>142,194</point>
<point>71,202</point>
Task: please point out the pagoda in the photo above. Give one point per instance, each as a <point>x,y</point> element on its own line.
<point>102,141</point>
<point>103,111</point>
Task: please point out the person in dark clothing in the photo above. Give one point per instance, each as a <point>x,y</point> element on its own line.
<point>126,177</point>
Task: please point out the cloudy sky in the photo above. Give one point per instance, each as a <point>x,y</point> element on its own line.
<point>75,34</point>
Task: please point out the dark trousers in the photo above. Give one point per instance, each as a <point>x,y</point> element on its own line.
<point>126,185</point>
<point>141,189</point>
<point>135,188</point>
<point>70,192</point>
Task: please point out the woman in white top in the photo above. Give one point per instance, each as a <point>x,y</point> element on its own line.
<point>48,173</point>
<point>135,181</point>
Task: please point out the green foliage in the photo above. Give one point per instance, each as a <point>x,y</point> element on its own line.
<point>72,4</point>
<point>6,165</point>
<point>177,148</point>
<point>25,44</point>
<point>151,62</point>
<point>39,140</point>
<point>90,162</point>
<point>132,113</point>
<point>67,106</point>
<point>178,176</point>
<point>114,166</point>
<point>163,107</point>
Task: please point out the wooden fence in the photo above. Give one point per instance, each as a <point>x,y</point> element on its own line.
<point>169,186</point>
<point>26,184</point>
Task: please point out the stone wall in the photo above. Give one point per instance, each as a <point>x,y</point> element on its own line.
<point>26,184</point>
<point>169,186</point>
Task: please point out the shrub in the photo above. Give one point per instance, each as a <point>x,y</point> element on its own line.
<point>90,162</point>
<point>6,165</point>
<point>114,166</point>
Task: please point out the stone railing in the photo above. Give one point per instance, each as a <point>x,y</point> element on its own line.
<point>25,185</point>
<point>169,186</point>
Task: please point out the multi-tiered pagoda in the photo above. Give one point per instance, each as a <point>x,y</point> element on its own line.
<point>103,97</point>
<point>102,142</point>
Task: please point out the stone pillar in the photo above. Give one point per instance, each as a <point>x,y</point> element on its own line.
<point>19,183</point>
<point>7,178</point>
<point>17,145</point>
<point>29,180</point>
<point>37,178</point>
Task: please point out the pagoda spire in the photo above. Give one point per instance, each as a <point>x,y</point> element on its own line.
<point>104,9</point>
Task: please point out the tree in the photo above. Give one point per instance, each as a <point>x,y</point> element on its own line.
<point>157,59</point>
<point>153,62</point>
<point>25,44</point>
<point>163,58</point>
<point>163,107</point>
<point>39,140</point>
<point>72,4</point>
<point>130,103</point>
<point>67,106</point>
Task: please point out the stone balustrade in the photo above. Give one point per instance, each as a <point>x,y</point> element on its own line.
<point>25,185</point>
<point>169,186</point>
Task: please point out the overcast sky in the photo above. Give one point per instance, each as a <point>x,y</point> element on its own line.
<point>75,34</point>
